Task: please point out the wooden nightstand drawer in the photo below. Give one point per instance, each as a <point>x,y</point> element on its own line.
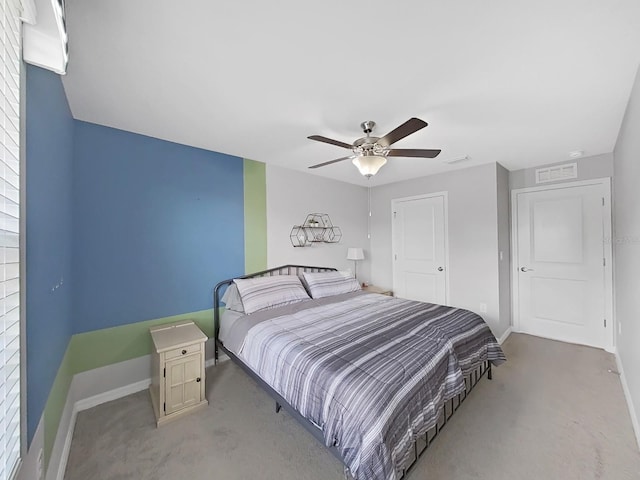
<point>181,352</point>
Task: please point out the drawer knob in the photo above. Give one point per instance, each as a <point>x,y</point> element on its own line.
<point>198,379</point>
<point>184,352</point>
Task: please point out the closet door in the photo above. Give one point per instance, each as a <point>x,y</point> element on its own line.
<point>420,248</point>
<point>561,265</point>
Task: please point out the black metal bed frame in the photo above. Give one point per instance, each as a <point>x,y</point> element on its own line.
<point>283,270</point>
<point>420,444</point>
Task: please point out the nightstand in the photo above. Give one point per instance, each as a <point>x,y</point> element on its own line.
<point>374,289</point>
<point>177,370</point>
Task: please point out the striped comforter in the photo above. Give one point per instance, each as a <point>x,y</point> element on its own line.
<point>372,371</point>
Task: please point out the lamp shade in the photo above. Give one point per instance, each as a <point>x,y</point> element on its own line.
<point>369,164</point>
<point>355,254</point>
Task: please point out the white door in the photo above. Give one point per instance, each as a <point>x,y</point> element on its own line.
<point>419,248</point>
<point>561,263</point>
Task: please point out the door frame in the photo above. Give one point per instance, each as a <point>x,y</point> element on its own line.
<point>445,196</point>
<point>609,343</point>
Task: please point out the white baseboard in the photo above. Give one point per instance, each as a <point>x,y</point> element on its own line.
<point>79,398</point>
<point>66,447</point>
<point>60,456</point>
<point>95,400</point>
<point>29,465</point>
<point>627,396</point>
<point>62,443</point>
<point>504,336</point>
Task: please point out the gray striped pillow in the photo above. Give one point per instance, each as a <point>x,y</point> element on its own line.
<point>270,292</point>
<point>325,284</point>
<point>232,300</point>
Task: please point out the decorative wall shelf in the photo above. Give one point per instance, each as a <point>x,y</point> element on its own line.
<point>317,228</point>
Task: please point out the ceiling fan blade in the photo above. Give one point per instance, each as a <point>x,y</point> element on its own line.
<point>330,162</point>
<point>320,138</point>
<point>411,152</point>
<point>407,128</point>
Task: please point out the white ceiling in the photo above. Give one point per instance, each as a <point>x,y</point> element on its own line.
<point>519,82</point>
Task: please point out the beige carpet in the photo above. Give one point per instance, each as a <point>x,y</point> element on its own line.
<point>553,411</point>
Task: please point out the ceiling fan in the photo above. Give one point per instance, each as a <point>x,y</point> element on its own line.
<point>369,153</point>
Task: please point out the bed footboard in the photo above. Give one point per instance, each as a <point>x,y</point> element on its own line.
<point>449,408</point>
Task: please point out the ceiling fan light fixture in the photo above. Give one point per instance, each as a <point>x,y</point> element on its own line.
<point>368,165</point>
<point>369,153</point>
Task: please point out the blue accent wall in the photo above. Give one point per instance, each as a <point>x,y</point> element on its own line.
<point>120,228</point>
<point>156,225</point>
<point>49,154</point>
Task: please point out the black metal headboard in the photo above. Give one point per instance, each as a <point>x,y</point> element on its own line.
<point>283,270</point>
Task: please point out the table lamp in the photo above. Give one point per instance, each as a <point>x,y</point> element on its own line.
<point>355,254</point>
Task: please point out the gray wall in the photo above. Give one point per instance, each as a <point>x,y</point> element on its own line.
<point>504,245</point>
<point>473,236</point>
<point>291,195</point>
<point>597,166</point>
<point>627,244</point>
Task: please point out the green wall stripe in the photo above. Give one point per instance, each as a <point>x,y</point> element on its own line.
<point>55,404</point>
<point>255,216</point>
<point>116,344</point>
<point>100,348</point>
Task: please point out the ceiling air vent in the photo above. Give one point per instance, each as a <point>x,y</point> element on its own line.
<point>561,172</point>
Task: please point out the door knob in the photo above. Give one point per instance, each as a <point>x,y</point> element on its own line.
<point>440,269</point>
<point>525,269</point>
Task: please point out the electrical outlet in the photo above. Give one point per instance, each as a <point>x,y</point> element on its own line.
<point>483,308</point>
<point>40,464</point>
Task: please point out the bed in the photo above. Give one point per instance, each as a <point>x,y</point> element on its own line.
<point>373,377</point>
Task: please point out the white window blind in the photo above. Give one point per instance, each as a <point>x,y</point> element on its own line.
<point>9,237</point>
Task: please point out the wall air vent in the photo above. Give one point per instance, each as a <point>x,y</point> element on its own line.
<point>553,174</point>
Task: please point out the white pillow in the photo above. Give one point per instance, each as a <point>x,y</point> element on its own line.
<point>232,300</point>
<point>325,284</point>
<point>270,292</point>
